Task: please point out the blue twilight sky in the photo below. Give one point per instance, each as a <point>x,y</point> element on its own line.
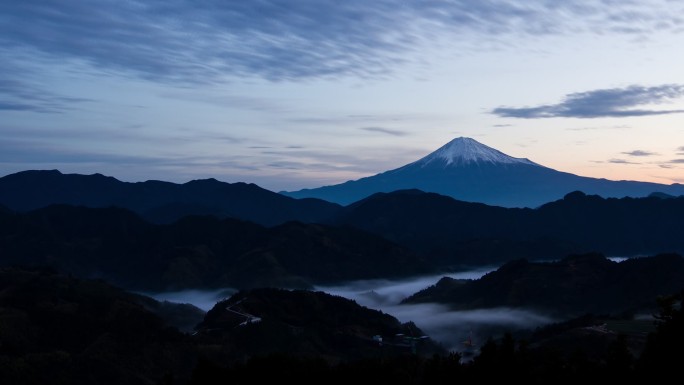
<point>290,94</point>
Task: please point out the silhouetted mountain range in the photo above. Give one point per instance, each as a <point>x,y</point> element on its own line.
<point>576,285</point>
<point>197,251</point>
<point>451,232</point>
<point>447,232</point>
<point>157,201</point>
<point>471,171</point>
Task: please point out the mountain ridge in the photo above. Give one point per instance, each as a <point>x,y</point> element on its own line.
<point>467,170</point>
<point>158,201</point>
<point>453,232</point>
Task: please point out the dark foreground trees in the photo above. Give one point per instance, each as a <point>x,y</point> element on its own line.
<point>504,360</point>
<point>62,330</point>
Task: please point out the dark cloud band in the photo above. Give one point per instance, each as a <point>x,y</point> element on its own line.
<point>620,161</point>
<point>613,103</point>
<point>383,130</point>
<point>640,153</point>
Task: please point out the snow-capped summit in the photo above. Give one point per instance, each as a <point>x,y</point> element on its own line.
<point>464,150</point>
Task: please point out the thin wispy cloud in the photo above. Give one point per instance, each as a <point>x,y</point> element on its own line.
<point>677,161</point>
<point>680,150</point>
<point>612,102</point>
<point>362,118</point>
<point>39,154</point>
<point>324,160</point>
<point>618,127</point>
<point>264,105</point>
<point>16,95</point>
<point>639,153</point>
<point>621,161</point>
<point>383,130</point>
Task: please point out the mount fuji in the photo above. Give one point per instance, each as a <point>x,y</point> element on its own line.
<point>468,170</point>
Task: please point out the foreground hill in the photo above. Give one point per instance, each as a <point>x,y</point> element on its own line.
<point>157,201</point>
<point>310,324</point>
<point>451,232</point>
<point>571,287</point>
<point>470,171</point>
<point>59,330</point>
<point>197,252</point>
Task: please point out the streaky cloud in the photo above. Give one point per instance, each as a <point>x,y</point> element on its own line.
<point>189,42</point>
<point>621,161</point>
<point>9,106</point>
<point>20,95</point>
<point>639,153</point>
<point>383,130</point>
<point>603,103</point>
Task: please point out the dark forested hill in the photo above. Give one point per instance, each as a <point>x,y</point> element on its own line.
<point>452,232</point>
<point>576,285</point>
<point>310,324</point>
<point>197,252</point>
<point>60,330</point>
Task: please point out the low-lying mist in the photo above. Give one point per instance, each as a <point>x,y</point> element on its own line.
<point>450,328</point>
<point>203,299</point>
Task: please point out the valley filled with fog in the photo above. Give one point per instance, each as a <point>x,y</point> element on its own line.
<point>448,327</point>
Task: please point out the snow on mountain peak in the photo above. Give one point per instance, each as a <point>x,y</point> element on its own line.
<point>464,150</point>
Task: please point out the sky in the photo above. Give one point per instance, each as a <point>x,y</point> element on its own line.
<point>292,94</point>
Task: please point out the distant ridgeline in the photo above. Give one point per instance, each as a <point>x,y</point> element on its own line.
<point>157,201</point>
<point>450,232</point>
